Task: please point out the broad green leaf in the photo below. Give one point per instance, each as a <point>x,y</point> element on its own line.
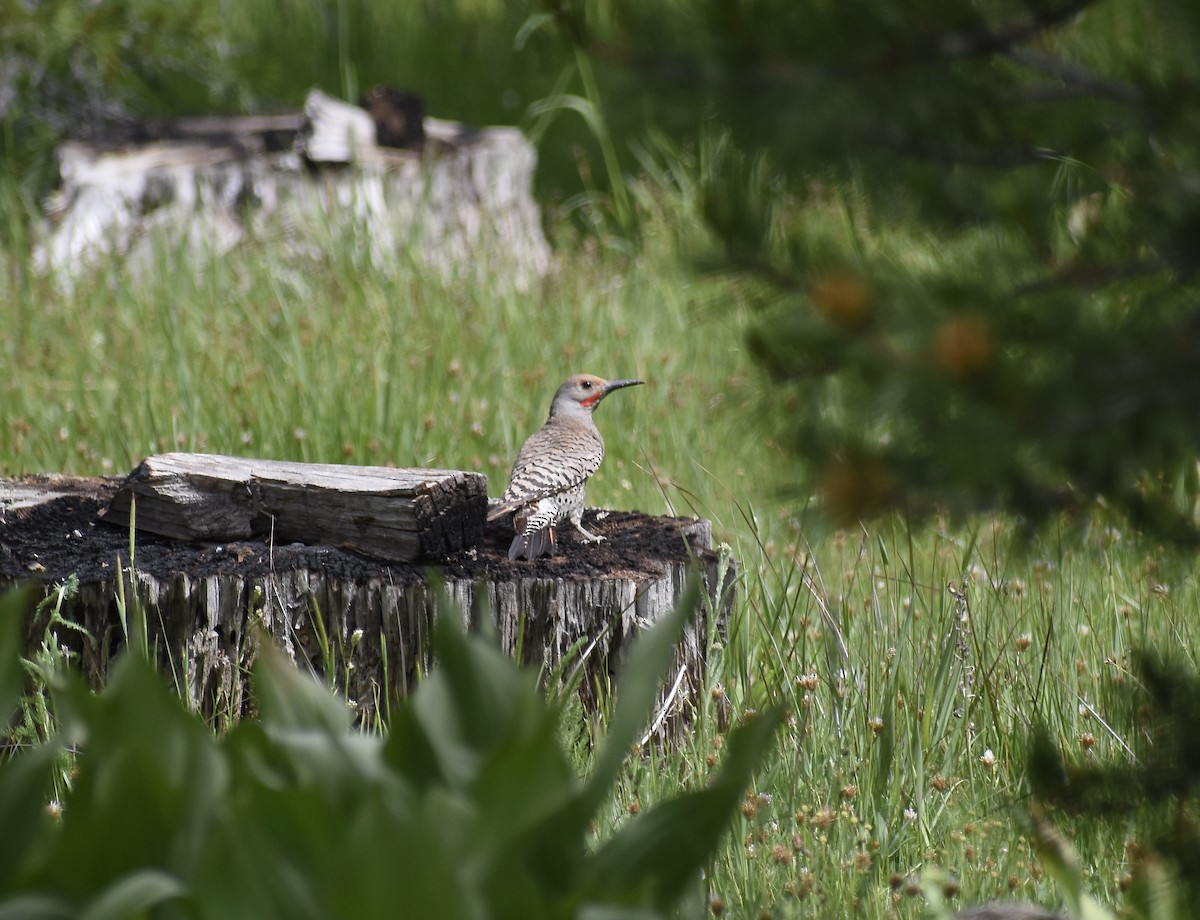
<point>639,680</point>
<point>558,841</point>
<point>134,894</point>
<point>1061,863</point>
<point>148,785</point>
<point>288,698</point>
<point>475,700</point>
<point>484,684</point>
<point>614,912</point>
<point>410,750</point>
<point>24,783</point>
<point>37,907</point>
<point>660,851</point>
<point>13,606</point>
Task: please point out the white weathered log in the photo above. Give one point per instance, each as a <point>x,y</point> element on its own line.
<point>337,132</point>
<point>463,205</point>
<point>397,514</point>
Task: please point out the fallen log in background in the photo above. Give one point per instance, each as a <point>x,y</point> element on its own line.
<point>360,623</point>
<point>461,205</point>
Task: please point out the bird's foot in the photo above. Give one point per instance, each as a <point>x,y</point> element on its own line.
<point>587,536</point>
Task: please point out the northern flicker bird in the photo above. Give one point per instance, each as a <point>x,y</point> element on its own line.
<point>547,481</point>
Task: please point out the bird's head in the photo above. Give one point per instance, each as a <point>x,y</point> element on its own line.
<point>586,390</point>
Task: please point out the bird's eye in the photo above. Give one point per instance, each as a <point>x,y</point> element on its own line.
<point>587,384</point>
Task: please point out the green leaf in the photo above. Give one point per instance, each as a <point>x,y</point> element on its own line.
<point>475,700</point>
<point>659,852</point>
<point>24,781</point>
<point>409,750</point>
<point>13,607</point>
<point>1061,863</point>
<point>148,786</point>
<point>639,680</point>
<point>134,894</point>
<point>37,907</point>
<point>305,737</point>
<point>613,912</point>
<point>288,698</point>
<point>480,689</point>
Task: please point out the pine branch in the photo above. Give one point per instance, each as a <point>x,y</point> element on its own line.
<point>1078,80</point>
<point>1089,277</point>
<point>989,156</point>
<point>986,42</point>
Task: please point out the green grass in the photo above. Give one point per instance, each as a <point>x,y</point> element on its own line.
<point>902,656</point>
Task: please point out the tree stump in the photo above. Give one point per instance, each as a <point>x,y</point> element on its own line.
<point>461,205</point>
<point>360,623</point>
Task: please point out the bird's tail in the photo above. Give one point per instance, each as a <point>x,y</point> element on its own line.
<point>531,545</point>
<point>500,509</point>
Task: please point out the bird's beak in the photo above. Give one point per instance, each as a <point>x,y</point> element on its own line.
<point>617,384</point>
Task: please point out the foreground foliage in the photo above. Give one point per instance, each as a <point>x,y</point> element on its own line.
<point>469,807</point>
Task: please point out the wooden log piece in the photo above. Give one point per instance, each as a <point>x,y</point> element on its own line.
<point>396,514</point>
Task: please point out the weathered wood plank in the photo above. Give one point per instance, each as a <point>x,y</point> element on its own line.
<point>396,514</point>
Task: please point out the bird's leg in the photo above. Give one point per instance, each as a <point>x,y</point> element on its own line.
<point>576,519</point>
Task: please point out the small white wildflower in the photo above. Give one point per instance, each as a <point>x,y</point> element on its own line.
<point>910,815</point>
<point>988,759</point>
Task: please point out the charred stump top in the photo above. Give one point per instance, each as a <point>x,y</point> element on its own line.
<point>54,526</point>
